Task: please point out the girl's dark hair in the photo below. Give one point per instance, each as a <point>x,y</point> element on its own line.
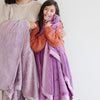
<point>46,3</point>
<point>10,1</point>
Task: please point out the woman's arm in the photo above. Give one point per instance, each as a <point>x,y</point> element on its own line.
<point>5,13</point>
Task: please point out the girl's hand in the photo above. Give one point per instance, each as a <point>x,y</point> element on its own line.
<point>62,32</point>
<point>32,25</point>
<point>48,24</point>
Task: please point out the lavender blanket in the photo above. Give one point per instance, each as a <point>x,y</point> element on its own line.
<point>18,74</point>
<point>55,81</point>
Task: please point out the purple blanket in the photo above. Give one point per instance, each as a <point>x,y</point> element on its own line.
<point>55,81</point>
<point>18,74</point>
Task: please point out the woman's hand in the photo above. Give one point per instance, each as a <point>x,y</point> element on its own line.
<point>32,25</point>
<point>48,24</point>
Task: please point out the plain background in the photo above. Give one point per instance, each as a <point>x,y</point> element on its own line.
<point>81,19</point>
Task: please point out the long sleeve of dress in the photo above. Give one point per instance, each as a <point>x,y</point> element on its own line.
<point>54,38</point>
<point>5,13</point>
<point>37,41</point>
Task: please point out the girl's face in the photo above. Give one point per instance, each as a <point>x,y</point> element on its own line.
<point>48,12</point>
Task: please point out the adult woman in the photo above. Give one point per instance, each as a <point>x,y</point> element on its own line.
<point>18,75</point>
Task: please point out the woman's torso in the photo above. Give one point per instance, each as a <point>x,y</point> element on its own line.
<point>27,11</point>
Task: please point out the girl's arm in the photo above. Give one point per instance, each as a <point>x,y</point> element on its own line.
<point>37,41</point>
<point>53,37</point>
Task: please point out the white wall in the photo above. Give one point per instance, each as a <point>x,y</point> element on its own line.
<point>81,20</point>
<point>82,24</point>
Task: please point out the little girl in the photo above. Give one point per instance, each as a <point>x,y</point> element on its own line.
<point>55,82</point>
